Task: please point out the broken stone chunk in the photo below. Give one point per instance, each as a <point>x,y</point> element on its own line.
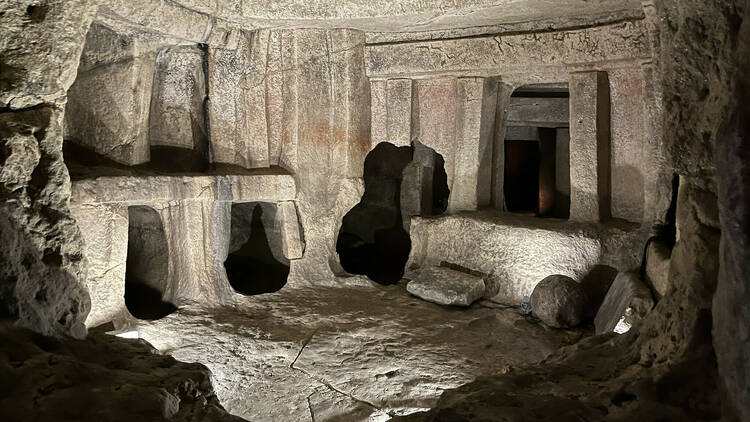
<point>657,267</point>
<point>559,301</point>
<point>445,286</point>
<point>628,301</point>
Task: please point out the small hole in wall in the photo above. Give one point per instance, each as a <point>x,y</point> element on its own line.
<point>146,267</point>
<point>36,12</point>
<point>255,264</point>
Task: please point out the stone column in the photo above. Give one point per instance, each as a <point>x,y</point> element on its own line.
<point>590,183</point>
<point>562,172</point>
<point>378,112</point>
<point>504,91</point>
<point>629,163</point>
<point>476,104</point>
<point>398,109</point>
<point>105,232</point>
<point>325,137</point>
<point>434,109</point>
<point>237,101</point>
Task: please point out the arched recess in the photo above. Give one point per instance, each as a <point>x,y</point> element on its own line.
<point>147,267</point>
<point>399,182</point>
<point>256,263</point>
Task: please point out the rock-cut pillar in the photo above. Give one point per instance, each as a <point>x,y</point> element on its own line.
<point>590,184</point>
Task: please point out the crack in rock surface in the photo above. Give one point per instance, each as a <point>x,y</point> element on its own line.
<point>346,354</point>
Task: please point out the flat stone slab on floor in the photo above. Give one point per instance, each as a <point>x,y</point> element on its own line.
<point>445,286</point>
<point>347,354</point>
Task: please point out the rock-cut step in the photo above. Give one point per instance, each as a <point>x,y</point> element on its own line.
<point>445,286</point>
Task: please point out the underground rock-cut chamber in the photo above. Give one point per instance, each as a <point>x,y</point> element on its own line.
<point>399,182</point>
<point>147,269</point>
<point>256,263</point>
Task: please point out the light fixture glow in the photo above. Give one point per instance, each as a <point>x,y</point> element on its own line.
<point>128,334</point>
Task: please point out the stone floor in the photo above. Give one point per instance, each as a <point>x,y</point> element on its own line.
<point>348,354</point>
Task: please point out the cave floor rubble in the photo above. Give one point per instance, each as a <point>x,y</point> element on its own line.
<point>347,354</point>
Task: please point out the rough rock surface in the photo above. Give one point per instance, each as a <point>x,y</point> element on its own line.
<point>445,286</point>
<point>41,268</point>
<point>657,267</point>
<point>628,301</point>
<point>37,67</point>
<point>102,378</point>
<point>648,373</point>
<point>40,261</point>
<point>559,301</point>
<point>352,354</point>
<point>731,313</point>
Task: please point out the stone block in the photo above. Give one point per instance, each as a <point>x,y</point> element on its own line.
<point>498,148</point>
<point>416,195</point>
<point>274,98</point>
<point>398,108</point>
<point>658,259</point>
<point>590,185</point>
<point>476,102</point>
<point>179,90</point>
<point>518,252</point>
<point>445,286</point>
<point>104,228</point>
<point>562,172</point>
<point>134,189</point>
<point>521,133</point>
<point>237,102</point>
<point>40,56</point>
<point>627,302</point>
<point>292,239</point>
<point>107,45</point>
<point>538,112</point>
<point>350,102</point>
<point>167,17</point>
<point>379,112</point>
<point>628,143</point>
<point>434,118</point>
<point>520,53</point>
<point>108,109</point>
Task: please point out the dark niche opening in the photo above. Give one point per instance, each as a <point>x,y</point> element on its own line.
<point>536,167</point>
<point>399,182</point>
<point>255,263</point>
<point>521,175</point>
<point>146,268</point>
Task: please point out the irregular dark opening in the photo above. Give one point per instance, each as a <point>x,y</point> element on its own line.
<point>536,167</point>
<point>146,268</point>
<point>255,264</point>
<point>399,182</point>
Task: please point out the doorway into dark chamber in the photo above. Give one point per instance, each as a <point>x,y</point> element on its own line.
<point>255,264</point>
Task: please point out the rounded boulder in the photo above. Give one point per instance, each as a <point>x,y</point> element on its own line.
<point>559,301</point>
